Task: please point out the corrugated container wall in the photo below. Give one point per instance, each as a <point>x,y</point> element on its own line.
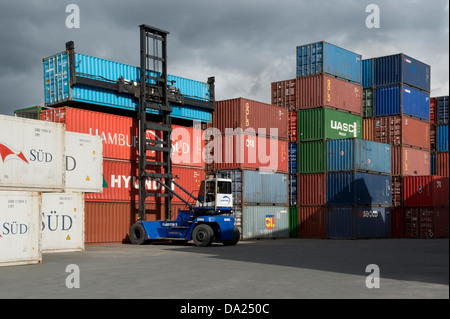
<point>284,93</point>
<point>292,125</point>
<point>312,222</point>
<point>368,103</point>
<point>293,189</point>
<point>425,191</point>
<point>265,222</point>
<point>312,157</point>
<point>402,131</point>
<point>293,156</point>
<point>293,222</point>
<point>350,188</point>
<point>367,73</point>
<point>328,91</point>
<point>400,68</point>
<point>324,123</point>
<point>442,164</point>
<point>408,161</point>
<point>442,138</point>
<point>58,89</point>
<point>322,57</point>
<point>312,189</point>
<point>433,110</point>
<point>358,155</point>
<point>369,129</point>
<point>442,110</point>
<point>418,222</point>
<point>402,100</point>
<point>251,115</point>
<point>441,222</point>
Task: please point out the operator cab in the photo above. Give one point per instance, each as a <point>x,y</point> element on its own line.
<point>215,194</point>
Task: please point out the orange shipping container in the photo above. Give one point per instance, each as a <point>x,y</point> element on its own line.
<point>369,129</point>
<point>408,161</point>
<point>312,222</point>
<point>442,164</point>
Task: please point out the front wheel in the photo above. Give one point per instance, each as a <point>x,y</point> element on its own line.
<point>203,235</point>
<point>137,234</point>
<point>235,240</point>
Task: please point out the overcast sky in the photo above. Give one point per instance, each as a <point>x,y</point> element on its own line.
<point>245,44</point>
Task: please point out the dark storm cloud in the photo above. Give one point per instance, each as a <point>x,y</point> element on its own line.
<point>245,44</point>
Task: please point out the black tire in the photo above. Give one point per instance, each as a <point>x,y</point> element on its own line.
<point>235,240</point>
<point>203,235</point>
<point>137,234</point>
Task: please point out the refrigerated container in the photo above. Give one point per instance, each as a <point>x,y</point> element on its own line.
<point>322,57</point>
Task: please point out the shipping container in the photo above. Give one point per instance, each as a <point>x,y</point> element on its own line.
<point>121,183</point>
<point>367,103</point>
<point>433,110</point>
<point>397,222</point>
<point>408,161</point>
<point>356,188</point>
<point>442,110</point>
<point>418,191</point>
<point>292,124</point>
<point>312,189</point>
<point>293,189</point>
<point>30,112</point>
<point>84,163</point>
<point>293,155</point>
<point>327,91</point>
<point>442,138</point>
<point>260,222</point>
<point>322,57</point>
<point>120,135</point>
<point>293,222</point>
<point>402,131</point>
<point>62,222</point>
<point>433,138</point>
<point>397,191</point>
<point>251,116</point>
<point>312,157</point>
<point>20,236</point>
<point>312,222</point>
<point>31,155</point>
<point>324,123</point>
<point>402,100</point>
<point>441,222</point>
<point>245,151</point>
<point>369,129</point>
<point>418,222</point>
<point>400,68</point>
<point>440,190</point>
<point>356,222</point>
<point>358,155</point>
<point>442,164</point>
<point>59,89</point>
<point>110,222</point>
<point>367,73</point>
<point>284,93</point>
<point>433,164</point>
<point>252,187</point>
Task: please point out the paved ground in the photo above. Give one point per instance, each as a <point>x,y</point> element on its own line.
<point>275,269</point>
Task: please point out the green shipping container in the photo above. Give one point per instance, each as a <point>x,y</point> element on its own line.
<point>293,222</point>
<point>367,103</point>
<point>324,123</point>
<point>312,157</point>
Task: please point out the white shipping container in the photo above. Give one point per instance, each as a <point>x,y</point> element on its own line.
<point>31,155</point>
<point>62,222</point>
<point>84,163</point>
<point>20,228</point>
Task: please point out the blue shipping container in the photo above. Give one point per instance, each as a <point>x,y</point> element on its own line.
<point>58,89</point>
<point>357,188</point>
<point>400,68</point>
<point>356,222</point>
<point>358,155</point>
<point>402,99</point>
<point>367,73</point>
<point>442,110</point>
<point>255,187</point>
<point>322,57</point>
<point>442,138</point>
<point>293,190</point>
<point>293,158</point>
<point>433,163</point>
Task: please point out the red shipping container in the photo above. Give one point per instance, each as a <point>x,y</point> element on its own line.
<point>440,189</point>
<point>327,91</point>
<point>433,110</point>
<point>284,94</point>
<point>419,222</point>
<point>441,222</point>
<point>312,189</point>
<point>312,222</point>
<point>122,184</point>
<point>442,164</point>
<point>402,131</point>
<point>417,191</point>
<point>120,135</point>
<point>250,116</point>
<point>397,222</point>
<point>292,126</point>
<point>249,152</point>
<point>408,161</point>
<point>110,222</point>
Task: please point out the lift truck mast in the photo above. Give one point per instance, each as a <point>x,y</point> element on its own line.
<point>210,219</point>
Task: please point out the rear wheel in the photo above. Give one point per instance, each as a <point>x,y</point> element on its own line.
<point>137,234</point>
<point>203,235</point>
<point>235,240</point>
